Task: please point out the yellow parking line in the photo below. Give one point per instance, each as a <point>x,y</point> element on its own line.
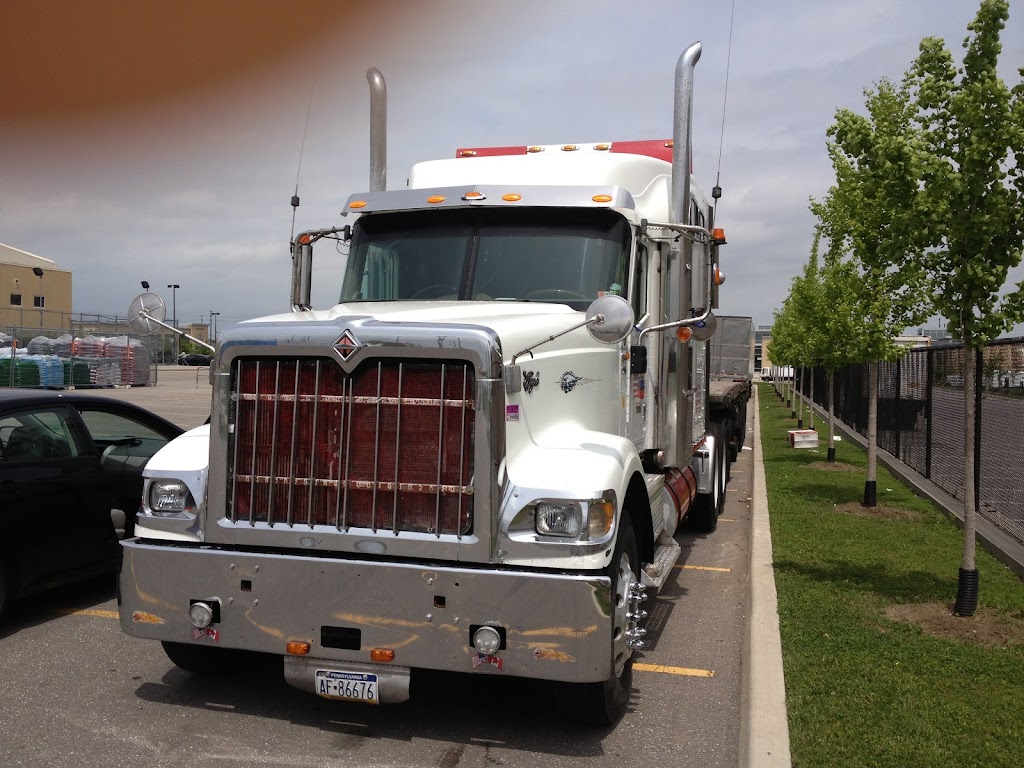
<point>88,612</point>
<point>704,568</point>
<point>674,670</point>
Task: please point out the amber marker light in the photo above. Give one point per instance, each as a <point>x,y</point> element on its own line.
<point>602,198</point>
<point>297,648</point>
<point>511,197</point>
<point>305,239</point>
<point>435,199</point>
<point>534,150</point>
<point>718,236</point>
<point>357,204</point>
<point>719,277</point>
<point>569,148</point>
<point>683,333</point>
<point>603,147</point>
<point>382,655</point>
<point>467,153</point>
<point>473,196</point>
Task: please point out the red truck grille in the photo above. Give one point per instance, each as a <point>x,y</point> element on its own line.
<point>389,446</point>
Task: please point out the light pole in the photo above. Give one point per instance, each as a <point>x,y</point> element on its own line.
<point>213,317</point>
<point>174,315</point>
<point>41,301</point>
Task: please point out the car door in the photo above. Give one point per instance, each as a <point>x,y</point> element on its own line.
<point>126,439</point>
<point>51,498</point>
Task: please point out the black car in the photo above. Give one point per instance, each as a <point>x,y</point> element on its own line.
<point>194,358</point>
<point>70,484</point>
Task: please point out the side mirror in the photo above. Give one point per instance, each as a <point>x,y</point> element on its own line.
<point>705,329</point>
<point>610,319</point>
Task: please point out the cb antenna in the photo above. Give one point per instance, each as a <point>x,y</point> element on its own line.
<point>302,149</point>
<point>716,191</point>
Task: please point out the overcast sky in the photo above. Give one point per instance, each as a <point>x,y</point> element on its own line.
<point>161,141</point>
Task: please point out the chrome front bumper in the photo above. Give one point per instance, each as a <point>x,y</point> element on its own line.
<point>556,626</point>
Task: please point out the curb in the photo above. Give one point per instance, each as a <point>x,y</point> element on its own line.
<point>764,727</point>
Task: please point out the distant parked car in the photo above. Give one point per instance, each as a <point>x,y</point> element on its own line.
<point>194,359</point>
<point>70,484</point>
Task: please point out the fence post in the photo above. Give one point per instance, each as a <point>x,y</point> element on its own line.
<point>899,386</point>
<point>928,391</point>
<point>978,368</point>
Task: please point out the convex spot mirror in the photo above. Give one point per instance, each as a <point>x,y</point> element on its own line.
<point>610,319</point>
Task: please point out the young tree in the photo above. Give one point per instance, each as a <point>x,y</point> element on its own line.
<point>871,217</point>
<point>973,187</point>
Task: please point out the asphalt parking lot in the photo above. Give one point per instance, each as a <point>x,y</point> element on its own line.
<point>78,692</point>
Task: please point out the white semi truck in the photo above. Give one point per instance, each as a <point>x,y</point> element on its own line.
<point>477,459</point>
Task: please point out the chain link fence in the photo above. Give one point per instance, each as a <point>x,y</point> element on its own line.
<point>921,420</point>
<point>87,354</point>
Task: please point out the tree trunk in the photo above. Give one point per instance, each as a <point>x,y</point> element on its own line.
<point>810,402</point>
<point>800,396</point>
<point>870,485</point>
<point>967,586</point>
<point>831,416</point>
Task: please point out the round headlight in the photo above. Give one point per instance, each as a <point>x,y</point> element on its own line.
<point>487,640</point>
<point>200,614</point>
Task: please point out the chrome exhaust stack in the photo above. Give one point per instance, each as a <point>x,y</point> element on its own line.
<point>378,130</point>
<point>682,122</point>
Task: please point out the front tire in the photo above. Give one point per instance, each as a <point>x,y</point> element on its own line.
<point>603,704</point>
<point>205,660</point>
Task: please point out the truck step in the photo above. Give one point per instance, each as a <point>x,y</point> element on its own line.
<point>665,555</point>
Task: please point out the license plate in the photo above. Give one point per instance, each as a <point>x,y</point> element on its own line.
<point>351,686</point>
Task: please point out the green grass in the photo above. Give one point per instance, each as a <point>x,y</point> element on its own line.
<point>862,690</point>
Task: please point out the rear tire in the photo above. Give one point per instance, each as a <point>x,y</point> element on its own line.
<point>603,704</point>
<point>703,517</point>
<point>5,591</point>
<point>205,660</point>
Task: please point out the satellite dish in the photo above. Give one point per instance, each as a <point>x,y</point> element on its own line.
<point>705,329</point>
<point>144,309</point>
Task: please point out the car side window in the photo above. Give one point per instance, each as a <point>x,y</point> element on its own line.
<point>105,426</point>
<point>33,435</point>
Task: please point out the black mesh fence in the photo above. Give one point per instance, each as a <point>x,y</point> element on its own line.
<point>921,420</point>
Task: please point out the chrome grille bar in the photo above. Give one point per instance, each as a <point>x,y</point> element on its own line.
<point>312,445</point>
<point>294,441</point>
<point>398,449</point>
<point>376,452</point>
<point>440,452</point>
<point>273,441</point>
<point>255,431</point>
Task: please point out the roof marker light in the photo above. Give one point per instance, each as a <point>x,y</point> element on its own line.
<point>474,196</point>
<point>534,150</point>
<point>603,147</point>
<point>569,148</point>
<point>511,197</point>
<point>467,153</point>
<point>602,198</point>
<point>357,204</point>
<point>433,199</point>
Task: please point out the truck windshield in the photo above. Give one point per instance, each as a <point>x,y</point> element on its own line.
<point>567,256</point>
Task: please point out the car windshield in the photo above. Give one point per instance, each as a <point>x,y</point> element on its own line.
<point>528,254</point>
